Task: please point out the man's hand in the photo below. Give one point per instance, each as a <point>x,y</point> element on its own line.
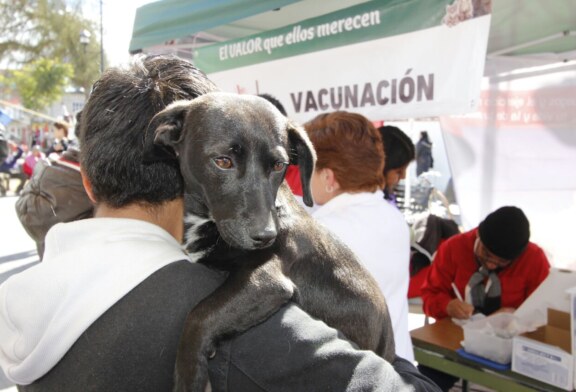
<point>505,310</point>
<point>459,310</point>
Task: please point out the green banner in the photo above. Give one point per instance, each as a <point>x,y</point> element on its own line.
<point>364,22</point>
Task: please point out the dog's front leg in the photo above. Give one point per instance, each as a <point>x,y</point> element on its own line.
<point>249,295</point>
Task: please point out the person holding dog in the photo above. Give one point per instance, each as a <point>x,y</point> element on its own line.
<point>347,184</point>
<point>105,309</point>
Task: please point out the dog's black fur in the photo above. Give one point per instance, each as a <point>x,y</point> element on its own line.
<point>243,218</point>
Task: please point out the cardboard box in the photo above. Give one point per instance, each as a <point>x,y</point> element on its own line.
<point>546,353</point>
<point>552,293</point>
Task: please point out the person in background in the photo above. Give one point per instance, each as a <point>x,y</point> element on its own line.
<point>105,309</point>
<point>4,148</point>
<point>9,166</point>
<point>32,159</point>
<point>493,267</point>
<point>60,143</point>
<point>54,194</point>
<point>4,154</point>
<point>399,151</point>
<point>347,184</point>
<point>424,159</point>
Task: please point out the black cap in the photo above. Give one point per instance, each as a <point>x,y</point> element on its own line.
<point>505,232</point>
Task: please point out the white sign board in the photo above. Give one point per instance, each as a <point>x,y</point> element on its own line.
<point>368,59</point>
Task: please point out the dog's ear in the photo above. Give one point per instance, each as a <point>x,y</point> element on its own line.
<point>302,153</point>
<point>164,132</point>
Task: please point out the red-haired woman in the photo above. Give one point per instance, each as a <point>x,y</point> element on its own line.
<point>347,184</point>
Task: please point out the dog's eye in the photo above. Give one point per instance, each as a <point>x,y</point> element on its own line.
<point>223,162</point>
<point>279,166</point>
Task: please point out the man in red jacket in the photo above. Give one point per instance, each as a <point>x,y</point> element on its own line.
<point>493,267</point>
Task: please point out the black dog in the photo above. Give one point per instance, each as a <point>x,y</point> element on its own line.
<point>241,217</point>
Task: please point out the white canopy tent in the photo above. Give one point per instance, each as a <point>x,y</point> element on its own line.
<point>495,157</point>
<point>523,33</point>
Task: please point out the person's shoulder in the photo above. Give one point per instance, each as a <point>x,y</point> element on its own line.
<point>454,248</point>
<point>460,239</point>
<point>533,247</point>
<point>67,165</point>
<point>391,210</point>
<point>72,155</point>
<point>534,250</point>
<point>173,289</point>
<point>190,275</point>
<point>148,322</point>
<point>391,221</point>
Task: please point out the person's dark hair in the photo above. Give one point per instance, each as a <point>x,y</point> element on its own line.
<point>113,126</point>
<point>424,136</point>
<point>505,232</point>
<point>398,148</point>
<point>274,102</point>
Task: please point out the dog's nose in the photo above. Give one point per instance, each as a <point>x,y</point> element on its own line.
<point>264,238</point>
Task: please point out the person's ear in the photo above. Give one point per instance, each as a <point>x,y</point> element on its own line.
<point>330,179</point>
<point>87,186</point>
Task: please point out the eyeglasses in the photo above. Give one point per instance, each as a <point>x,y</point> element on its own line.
<point>485,257</point>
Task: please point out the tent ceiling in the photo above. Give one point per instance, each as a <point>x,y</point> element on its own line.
<point>522,33</point>
<point>167,20</point>
<point>521,22</point>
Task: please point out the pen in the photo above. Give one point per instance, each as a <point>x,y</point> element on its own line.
<point>457,292</point>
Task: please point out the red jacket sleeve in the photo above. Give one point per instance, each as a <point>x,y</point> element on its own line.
<point>437,289</point>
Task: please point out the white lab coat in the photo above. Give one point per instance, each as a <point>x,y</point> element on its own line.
<point>378,234</point>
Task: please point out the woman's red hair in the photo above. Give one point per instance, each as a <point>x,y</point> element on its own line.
<point>351,146</point>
